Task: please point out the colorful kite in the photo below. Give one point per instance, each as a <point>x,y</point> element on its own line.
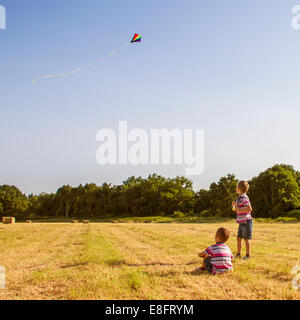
<point>136,38</point>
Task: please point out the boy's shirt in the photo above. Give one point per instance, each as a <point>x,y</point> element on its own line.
<point>242,202</point>
<point>221,257</point>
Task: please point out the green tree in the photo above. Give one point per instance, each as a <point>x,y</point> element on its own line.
<point>63,201</point>
<point>202,201</point>
<point>42,205</point>
<point>12,201</point>
<point>275,191</point>
<point>222,194</point>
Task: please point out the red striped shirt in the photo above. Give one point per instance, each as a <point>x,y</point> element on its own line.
<point>242,202</point>
<point>221,257</point>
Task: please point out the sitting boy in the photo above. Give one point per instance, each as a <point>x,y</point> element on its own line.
<point>218,257</point>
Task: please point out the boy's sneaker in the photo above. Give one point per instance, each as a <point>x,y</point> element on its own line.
<point>200,269</point>
<point>237,256</point>
<point>247,257</point>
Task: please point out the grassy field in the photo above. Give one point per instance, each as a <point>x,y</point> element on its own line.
<point>142,261</point>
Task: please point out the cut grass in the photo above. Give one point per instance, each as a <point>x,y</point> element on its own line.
<point>142,261</point>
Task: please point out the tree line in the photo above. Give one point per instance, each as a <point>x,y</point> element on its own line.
<point>273,193</point>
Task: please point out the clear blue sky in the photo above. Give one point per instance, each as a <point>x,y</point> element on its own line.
<point>229,67</point>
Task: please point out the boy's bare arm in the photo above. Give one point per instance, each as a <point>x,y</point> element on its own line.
<point>246,209</point>
<point>233,205</point>
<point>203,254</point>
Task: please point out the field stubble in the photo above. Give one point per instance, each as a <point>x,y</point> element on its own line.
<point>142,261</point>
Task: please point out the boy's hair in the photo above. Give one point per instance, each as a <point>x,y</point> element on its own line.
<point>243,186</point>
<point>223,234</point>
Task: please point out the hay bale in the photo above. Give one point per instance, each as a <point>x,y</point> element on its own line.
<point>74,221</point>
<point>28,221</point>
<point>86,221</point>
<point>8,220</point>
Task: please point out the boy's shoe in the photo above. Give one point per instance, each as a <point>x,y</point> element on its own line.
<point>246,258</point>
<point>200,269</point>
<point>237,256</point>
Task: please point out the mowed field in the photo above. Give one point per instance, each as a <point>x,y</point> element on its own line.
<point>142,261</point>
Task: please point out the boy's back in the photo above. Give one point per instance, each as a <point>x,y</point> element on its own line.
<point>242,203</point>
<point>221,257</point>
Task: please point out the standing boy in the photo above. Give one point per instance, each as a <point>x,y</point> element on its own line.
<point>243,209</point>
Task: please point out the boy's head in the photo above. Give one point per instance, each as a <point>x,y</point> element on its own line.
<point>242,187</point>
<point>222,235</point>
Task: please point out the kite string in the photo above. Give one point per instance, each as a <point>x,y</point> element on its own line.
<point>79,69</point>
<point>229,194</point>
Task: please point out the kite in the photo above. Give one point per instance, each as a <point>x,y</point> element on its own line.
<point>136,38</point>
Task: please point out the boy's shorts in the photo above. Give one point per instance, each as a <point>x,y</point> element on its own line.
<point>208,265</point>
<point>245,230</point>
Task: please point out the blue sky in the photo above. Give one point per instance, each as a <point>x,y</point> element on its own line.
<point>229,67</point>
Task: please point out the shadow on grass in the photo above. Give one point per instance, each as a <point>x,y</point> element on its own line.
<point>173,273</point>
<point>149,264</point>
<point>115,262</point>
<point>196,273</point>
<point>193,272</point>
<point>73,265</point>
